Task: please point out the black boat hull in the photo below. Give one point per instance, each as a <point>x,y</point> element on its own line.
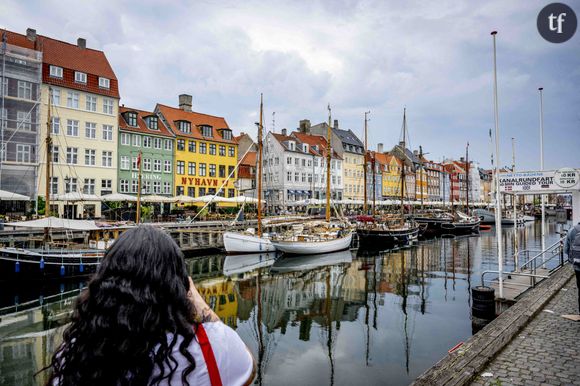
<point>384,239</point>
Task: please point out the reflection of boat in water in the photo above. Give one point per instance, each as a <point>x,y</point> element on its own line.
<point>244,263</point>
<point>306,263</point>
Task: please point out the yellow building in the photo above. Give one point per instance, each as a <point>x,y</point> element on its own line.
<point>421,187</point>
<point>391,175</point>
<point>84,97</point>
<point>205,151</point>
<point>220,295</point>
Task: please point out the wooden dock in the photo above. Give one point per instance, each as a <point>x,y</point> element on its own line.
<point>515,285</point>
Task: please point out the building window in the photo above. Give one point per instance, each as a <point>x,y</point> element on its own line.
<point>201,191</point>
<point>24,89</point>
<point>72,155</point>
<point>125,163</point>
<point>89,186</point>
<point>147,164</point>
<point>24,120</point>
<point>108,106</point>
<point>136,140</point>
<point>168,144</point>
<point>157,143</point>
<point>156,187</point>
<point>53,185</point>
<point>55,150</point>
<point>131,119</point>
<point>231,151</point>
<point>212,148</point>
<point>296,177</point>
<point>206,131</point>
<point>231,192</point>
<point>146,141</point>
<point>180,167</point>
<point>212,170</point>
<point>90,130</point>
<point>146,188</point>
<point>55,97</point>
<point>135,163</point>
<point>222,171</point>
<point>202,148</point>
<point>72,100</point>
<point>107,159</point>
<point>55,71</point>
<point>80,77</point>
<point>106,186</point>
<point>289,176</point>
<point>167,166</point>
<point>167,188</point>
<point>104,82</point>
<point>90,157</point>
<point>179,190</point>
<point>125,139</point>
<point>202,169</point>
<point>222,151</point>
<point>70,185</point>
<point>181,144</point>
<point>91,103</point>
<point>134,186</point>
<point>231,171</point>
<point>191,146</point>
<point>23,153</point>
<point>288,160</point>
<point>107,132</point>
<point>124,186</point>
<point>184,127</point>
<point>191,168</point>
<point>191,191</point>
<point>152,123</point>
<point>227,134</point>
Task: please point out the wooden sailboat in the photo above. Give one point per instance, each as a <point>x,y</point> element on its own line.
<point>387,231</point>
<point>318,237</point>
<point>252,241</point>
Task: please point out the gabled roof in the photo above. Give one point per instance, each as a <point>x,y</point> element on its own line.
<point>249,159</point>
<point>315,140</point>
<point>71,58</point>
<point>174,114</point>
<point>141,124</point>
<point>348,137</point>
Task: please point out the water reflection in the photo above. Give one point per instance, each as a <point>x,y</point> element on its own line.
<point>330,319</point>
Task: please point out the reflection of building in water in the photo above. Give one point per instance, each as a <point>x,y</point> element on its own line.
<point>219,294</point>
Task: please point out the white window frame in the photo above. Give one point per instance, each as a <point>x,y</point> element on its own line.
<point>72,100</point>
<point>72,128</point>
<point>55,125</point>
<point>91,157</point>
<point>23,153</point>
<point>104,82</point>
<point>90,130</point>
<point>126,139</point>
<point>91,103</point>
<point>107,158</point>
<point>55,71</point>
<point>80,77</point>
<point>108,105</point>
<point>125,162</point>
<point>107,132</point>
<point>72,155</point>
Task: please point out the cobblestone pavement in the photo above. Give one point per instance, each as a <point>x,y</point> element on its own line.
<point>545,352</point>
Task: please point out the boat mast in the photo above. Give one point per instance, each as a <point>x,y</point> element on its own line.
<point>403,166</point>
<point>422,176</point>
<point>48,159</point>
<point>138,214</point>
<point>467,177</point>
<point>260,166</point>
<point>365,207</point>
<point>328,159</point>
<point>373,165</point>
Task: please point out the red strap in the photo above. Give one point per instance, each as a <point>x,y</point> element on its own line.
<point>212,368</point>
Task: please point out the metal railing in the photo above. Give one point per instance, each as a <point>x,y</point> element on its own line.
<point>533,264</point>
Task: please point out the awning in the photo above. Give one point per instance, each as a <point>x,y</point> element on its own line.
<point>115,197</point>
<point>157,198</point>
<point>57,223</point>
<point>76,196</point>
<point>10,196</point>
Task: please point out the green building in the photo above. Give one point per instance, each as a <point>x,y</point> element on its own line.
<point>142,133</point>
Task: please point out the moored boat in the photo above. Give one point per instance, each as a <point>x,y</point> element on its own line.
<point>237,242</point>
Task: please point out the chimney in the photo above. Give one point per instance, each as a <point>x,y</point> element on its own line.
<point>462,159</point>
<point>304,126</point>
<point>284,131</point>
<point>416,152</point>
<point>401,144</point>
<point>82,43</point>
<point>31,34</point>
<point>379,147</point>
<point>336,124</point>
<point>185,102</point>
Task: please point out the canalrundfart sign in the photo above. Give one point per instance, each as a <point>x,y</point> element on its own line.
<point>561,180</point>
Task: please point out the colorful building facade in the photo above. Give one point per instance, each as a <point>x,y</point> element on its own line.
<point>143,135</point>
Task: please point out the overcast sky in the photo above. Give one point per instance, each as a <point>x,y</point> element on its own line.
<point>434,57</point>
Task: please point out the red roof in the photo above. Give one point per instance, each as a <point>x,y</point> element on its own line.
<point>315,140</point>
<point>173,114</point>
<point>71,58</point>
<point>141,124</point>
<point>249,159</point>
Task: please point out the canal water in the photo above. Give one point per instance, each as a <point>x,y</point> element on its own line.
<point>345,318</point>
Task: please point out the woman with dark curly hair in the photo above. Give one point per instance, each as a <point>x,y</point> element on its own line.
<point>142,322</point>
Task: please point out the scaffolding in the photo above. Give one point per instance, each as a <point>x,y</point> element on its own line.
<point>20,96</point>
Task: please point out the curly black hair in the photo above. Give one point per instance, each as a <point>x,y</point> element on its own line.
<point>119,328</point>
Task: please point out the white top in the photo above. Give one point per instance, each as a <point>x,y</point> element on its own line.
<point>234,361</point>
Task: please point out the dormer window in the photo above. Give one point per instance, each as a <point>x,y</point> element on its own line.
<point>184,127</point>
<point>206,130</point>
<point>305,148</point>
<point>131,118</point>
<point>315,148</point>
<point>56,71</point>
<point>152,123</point>
<point>226,134</point>
<point>80,77</point>
<point>104,82</point>
<point>292,145</point>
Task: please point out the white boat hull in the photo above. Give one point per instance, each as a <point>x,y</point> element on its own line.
<point>313,247</point>
<point>241,243</point>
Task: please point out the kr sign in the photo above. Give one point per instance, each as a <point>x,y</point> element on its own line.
<point>561,180</point>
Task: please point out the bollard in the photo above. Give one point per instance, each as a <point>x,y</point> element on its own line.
<point>483,306</point>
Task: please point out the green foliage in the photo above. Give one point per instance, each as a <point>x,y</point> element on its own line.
<point>41,205</point>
